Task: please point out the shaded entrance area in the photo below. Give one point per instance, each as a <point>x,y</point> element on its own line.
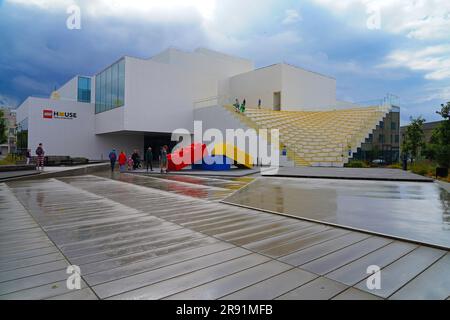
<point>157,140</point>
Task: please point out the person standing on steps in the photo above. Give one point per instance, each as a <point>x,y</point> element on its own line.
<point>259,103</point>
<point>149,158</point>
<point>243,106</point>
<point>236,105</point>
<point>40,157</point>
<point>112,159</point>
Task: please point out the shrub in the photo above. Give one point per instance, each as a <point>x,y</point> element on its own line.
<point>424,168</point>
<point>396,165</point>
<point>8,160</point>
<point>356,164</point>
<point>439,147</point>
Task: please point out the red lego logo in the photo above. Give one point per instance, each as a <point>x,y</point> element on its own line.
<point>48,114</point>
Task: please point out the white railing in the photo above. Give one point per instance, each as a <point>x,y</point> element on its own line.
<point>211,101</point>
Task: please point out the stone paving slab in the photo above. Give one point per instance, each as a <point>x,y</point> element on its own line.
<point>405,269</point>
<point>433,283</point>
<point>318,289</point>
<point>31,266</point>
<point>273,287</point>
<point>355,294</point>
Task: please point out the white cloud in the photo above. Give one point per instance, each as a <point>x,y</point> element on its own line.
<point>418,19</point>
<point>431,93</point>
<point>43,4</point>
<point>433,60</point>
<point>291,16</point>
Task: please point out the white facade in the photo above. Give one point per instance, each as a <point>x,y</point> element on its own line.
<point>73,135</point>
<point>69,91</point>
<point>159,97</point>
<point>299,89</point>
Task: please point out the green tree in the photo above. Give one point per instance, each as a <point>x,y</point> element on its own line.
<point>3,133</point>
<point>439,147</point>
<point>413,141</point>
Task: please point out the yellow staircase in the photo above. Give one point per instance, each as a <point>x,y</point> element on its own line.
<point>317,138</point>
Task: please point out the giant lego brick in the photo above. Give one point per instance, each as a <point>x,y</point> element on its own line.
<point>186,156</point>
<point>214,163</point>
<point>241,158</point>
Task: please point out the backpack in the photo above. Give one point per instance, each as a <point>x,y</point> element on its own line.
<point>39,151</point>
<point>112,156</point>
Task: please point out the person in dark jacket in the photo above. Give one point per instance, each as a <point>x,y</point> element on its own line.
<point>135,158</point>
<point>40,157</point>
<point>149,158</point>
<point>112,159</point>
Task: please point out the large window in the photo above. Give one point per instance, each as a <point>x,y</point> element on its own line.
<point>84,89</point>
<point>110,87</point>
<point>22,135</point>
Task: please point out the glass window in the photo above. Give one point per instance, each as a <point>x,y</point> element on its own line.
<point>121,83</point>
<point>108,88</point>
<point>381,124</point>
<point>111,87</point>
<point>397,138</point>
<point>103,101</point>
<point>114,84</point>
<point>381,138</point>
<point>393,125</point>
<point>97,93</point>
<point>84,89</point>
<point>101,107</point>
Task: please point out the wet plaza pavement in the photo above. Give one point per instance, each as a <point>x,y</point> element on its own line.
<point>206,188</point>
<point>136,237</point>
<point>416,211</point>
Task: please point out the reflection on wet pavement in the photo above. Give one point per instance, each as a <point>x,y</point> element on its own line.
<point>213,189</point>
<point>412,210</point>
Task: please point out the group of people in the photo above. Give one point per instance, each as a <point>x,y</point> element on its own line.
<point>39,157</point>
<point>241,107</point>
<point>134,161</point>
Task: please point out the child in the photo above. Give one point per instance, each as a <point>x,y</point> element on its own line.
<point>130,163</point>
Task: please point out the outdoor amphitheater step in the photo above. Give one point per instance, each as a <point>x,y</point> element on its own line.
<point>317,138</point>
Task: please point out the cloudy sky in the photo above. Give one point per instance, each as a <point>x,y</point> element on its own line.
<point>405,52</point>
